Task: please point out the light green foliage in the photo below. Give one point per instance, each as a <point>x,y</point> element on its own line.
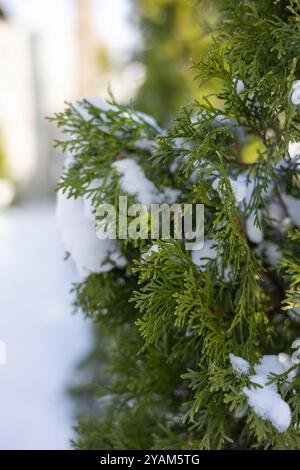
<point>175,32</point>
<point>170,326</point>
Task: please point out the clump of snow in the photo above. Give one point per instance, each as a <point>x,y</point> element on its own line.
<point>241,186</point>
<point>141,117</point>
<point>267,404</point>
<point>115,259</point>
<point>137,116</point>
<point>94,101</point>
<point>294,149</point>
<point>240,86</point>
<point>239,364</point>
<point>271,251</point>
<point>254,233</point>
<point>145,144</point>
<point>295,93</point>
<point>208,251</point>
<point>134,182</point>
<point>293,208</point>
<point>269,364</point>
<point>202,256</point>
<point>276,213</point>
<point>239,189</point>
<point>277,217</point>
<point>169,195</point>
<point>174,165</point>
<point>287,362</point>
<point>153,249</point>
<point>264,398</point>
<point>79,238</point>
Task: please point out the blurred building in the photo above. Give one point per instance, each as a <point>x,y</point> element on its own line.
<point>70,51</point>
<point>38,74</point>
<point>16,103</point>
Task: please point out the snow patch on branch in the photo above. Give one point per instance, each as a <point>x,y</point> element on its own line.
<point>153,249</point>
<point>293,207</point>
<point>295,93</point>
<point>271,251</point>
<point>134,182</point>
<point>240,365</point>
<point>90,254</point>
<point>254,233</point>
<point>294,150</point>
<point>202,256</point>
<point>263,397</point>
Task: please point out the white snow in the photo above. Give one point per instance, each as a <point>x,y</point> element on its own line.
<point>239,364</point>
<point>295,93</point>
<point>134,182</point>
<point>174,165</point>
<point>239,189</point>
<point>293,208</point>
<point>277,217</point>
<point>265,400</point>
<point>254,233</point>
<point>137,116</point>
<point>94,101</point>
<point>249,183</point>
<point>44,341</point>
<point>153,249</point>
<point>268,404</point>
<point>294,149</point>
<point>271,250</point>
<point>287,362</point>
<point>141,117</point>
<point>269,364</point>
<point>79,237</point>
<point>242,188</point>
<point>145,144</point>
<point>276,214</point>
<point>169,195</point>
<point>240,86</point>
<point>202,256</point>
<point>207,252</point>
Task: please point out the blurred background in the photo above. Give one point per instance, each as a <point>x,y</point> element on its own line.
<point>52,51</point>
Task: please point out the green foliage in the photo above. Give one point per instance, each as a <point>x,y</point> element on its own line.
<point>169,326</point>
<point>174,33</point>
<point>290,267</point>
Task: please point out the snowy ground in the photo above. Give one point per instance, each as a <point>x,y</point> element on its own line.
<point>43,340</point>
